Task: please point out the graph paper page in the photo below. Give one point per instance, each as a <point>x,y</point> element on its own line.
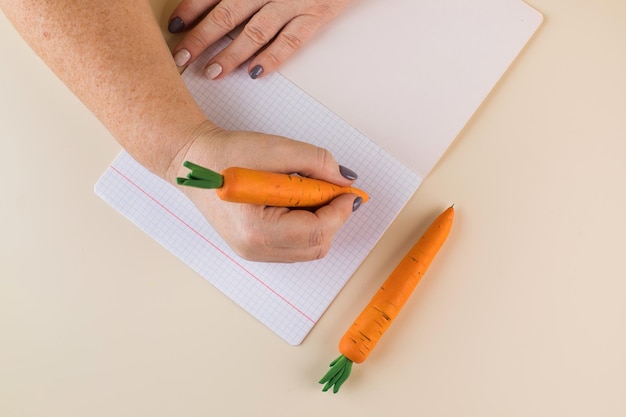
<point>287,298</point>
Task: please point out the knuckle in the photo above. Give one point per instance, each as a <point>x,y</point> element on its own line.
<point>318,240</point>
<point>246,253</point>
<point>325,11</point>
<point>247,238</point>
<point>248,245</point>
<point>223,16</point>
<point>324,157</point>
<point>272,58</point>
<point>228,57</point>
<point>322,252</point>
<point>256,33</point>
<point>195,39</point>
<point>290,41</point>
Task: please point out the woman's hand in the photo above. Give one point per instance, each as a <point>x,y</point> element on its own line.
<point>262,233</point>
<point>274,31</point>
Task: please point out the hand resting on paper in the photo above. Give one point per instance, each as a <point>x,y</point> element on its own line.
<point>131,84</point>
<point>268,233</point>
<point>273,31</point>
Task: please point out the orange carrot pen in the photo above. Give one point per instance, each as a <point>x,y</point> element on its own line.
<point>242,185</point>
<point>365,332</point>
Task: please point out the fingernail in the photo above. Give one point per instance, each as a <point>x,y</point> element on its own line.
<point>348,173</point>
<point>176,25</point>
<point>256,72</point>
<point>357,203</point>
<point>213,70</point>
<point>182,57</point>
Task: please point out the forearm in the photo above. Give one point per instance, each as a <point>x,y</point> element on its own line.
<point>112,55</point>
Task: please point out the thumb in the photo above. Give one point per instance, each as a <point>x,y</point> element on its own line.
<point>338,211</point>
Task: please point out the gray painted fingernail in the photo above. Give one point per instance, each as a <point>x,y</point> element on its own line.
<point>357,203</point>
<point>256,72</point>
<point>176,25</point>
<point>348,173</point>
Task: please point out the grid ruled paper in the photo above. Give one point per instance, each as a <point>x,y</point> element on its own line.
<point>287,298</point>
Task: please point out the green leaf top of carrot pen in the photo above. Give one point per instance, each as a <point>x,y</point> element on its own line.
<point>200,177</point>
<point>338,373</point>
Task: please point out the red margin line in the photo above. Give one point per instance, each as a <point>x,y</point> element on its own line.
<point>230,258</point>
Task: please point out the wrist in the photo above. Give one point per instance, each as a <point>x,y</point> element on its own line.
<point>203,132</point>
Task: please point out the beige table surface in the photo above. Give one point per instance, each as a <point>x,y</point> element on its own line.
<point>526,316</point>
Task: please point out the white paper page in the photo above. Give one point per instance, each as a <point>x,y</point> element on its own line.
<point>413,72</point>
<point>288,298</point>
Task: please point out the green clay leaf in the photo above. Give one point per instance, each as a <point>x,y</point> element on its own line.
<point>344,377</point>
<point>193,183</point>
<point>338,373</point>
<point>200,177</point>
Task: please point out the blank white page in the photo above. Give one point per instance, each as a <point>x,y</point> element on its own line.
<point>413,72</point>
<point>288,298</point>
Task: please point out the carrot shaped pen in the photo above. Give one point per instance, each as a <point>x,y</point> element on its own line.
<point>365,332</point>
<point>248,186</point>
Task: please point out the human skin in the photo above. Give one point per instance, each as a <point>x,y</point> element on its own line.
<point>273,31</point>
<point>113,57</point>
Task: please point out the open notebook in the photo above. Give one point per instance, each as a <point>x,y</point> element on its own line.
<point>288,298</point>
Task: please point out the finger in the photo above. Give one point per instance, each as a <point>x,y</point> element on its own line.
<point>187,12</point>
<point>256,34</point>
<point>277,154</point>
<point>299,235</point>
<point>288,40</point>
<point>223,18</point>
<point>276,235</point>
<point>316,162</point>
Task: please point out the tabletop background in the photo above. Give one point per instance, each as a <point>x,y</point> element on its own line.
<point>524,314</point>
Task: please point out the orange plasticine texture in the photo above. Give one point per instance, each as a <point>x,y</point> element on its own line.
<point>242,185</point>
<point>361,338</point>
